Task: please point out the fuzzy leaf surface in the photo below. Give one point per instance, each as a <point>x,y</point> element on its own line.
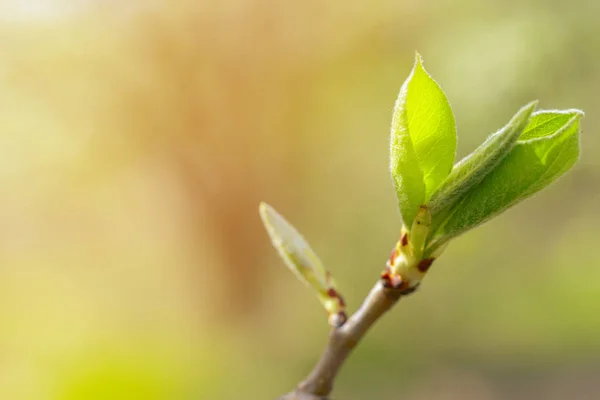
<point>548,147</point>
<point>471,170</point>
<point>423,141</point>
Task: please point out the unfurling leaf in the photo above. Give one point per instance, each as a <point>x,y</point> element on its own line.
<point>547,148</point>
<point>303,262</point>
<point>472,169</point>
<point>423,141</point>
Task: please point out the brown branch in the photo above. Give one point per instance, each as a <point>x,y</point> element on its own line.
<point>319,382</point>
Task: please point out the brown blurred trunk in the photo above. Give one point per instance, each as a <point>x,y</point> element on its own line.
<point>232,109</point>
<point>228,214</point>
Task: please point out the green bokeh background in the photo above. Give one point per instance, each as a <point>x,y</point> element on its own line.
<point>139,137</point>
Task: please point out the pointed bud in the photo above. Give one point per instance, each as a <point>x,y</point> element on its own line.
<point>303,262</point>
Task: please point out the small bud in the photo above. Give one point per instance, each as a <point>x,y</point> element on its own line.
<point>302,261</point>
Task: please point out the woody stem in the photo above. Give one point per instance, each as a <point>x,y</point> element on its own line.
<point>319,383</point>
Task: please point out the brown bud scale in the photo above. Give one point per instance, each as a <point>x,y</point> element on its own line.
<point>425,264</point>
<point>404,239</point>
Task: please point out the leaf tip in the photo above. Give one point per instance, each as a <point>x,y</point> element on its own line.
<point>579,113</point>
<point>531,106</point>
<point>270,218</point>
<point>576,116</point>
<point>525,113</point>
<point>418,59</point>
<point>262,207</point>
<point>264,210</point>
<point>418,67</point>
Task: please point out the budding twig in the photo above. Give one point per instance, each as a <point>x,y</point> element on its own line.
<point>342,341</point>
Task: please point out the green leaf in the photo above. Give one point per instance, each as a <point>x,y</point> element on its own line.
<point>423,141</point>
<point>548,147</point>
<point>303,261</point>
<point>546,122</point>
<point>472,169</point>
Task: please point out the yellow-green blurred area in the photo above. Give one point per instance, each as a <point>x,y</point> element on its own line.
<point>138,137</point>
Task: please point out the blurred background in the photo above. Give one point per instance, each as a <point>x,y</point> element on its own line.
<point>138,137</point>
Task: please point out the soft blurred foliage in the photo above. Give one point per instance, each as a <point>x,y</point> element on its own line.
<point>138,138</point>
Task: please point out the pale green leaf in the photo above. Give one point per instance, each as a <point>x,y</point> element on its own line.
<point>423,141</point>
<point>545,151</point>
<point>293,248</point>
<point>472,169</point>
<point>301,259</point>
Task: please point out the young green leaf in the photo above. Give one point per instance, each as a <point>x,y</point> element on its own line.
<point>423,141</point>
<point>303,262</point>
<point>472,169</point>
<point>548,147</point>
<point>546,122</point>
